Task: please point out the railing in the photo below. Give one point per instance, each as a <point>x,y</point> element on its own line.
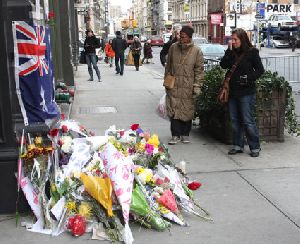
<point>287,66</point>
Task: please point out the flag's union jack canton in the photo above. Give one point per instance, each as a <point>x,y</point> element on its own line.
<point>34,72</point>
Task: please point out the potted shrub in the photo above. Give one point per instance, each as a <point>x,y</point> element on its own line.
<point>275,107</point>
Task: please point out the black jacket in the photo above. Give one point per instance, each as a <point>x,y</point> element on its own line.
<point>165,50</point>
<point>136,47</point>
<point>90,44</point>
<point>250,65</point>
<point>119,45</point>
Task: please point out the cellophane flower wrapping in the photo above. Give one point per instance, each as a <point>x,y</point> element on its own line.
<point>140,207</point>
<point>119,169</point>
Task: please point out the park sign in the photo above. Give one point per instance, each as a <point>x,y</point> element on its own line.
<point>287,9</point>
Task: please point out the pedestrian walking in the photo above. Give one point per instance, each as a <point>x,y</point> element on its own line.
<point>185,62</point>
<point>119,45</point>
<point>244,67</point>
<point>147,52</point>
<point>90,45</point>
<point>136,48</point>
<point>109,52</point>
<point>164,52</point>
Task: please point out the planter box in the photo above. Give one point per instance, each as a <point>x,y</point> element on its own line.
<point>271,116</point>
<point>270,120</point>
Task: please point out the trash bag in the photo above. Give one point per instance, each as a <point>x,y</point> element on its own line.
<point>82,59</point>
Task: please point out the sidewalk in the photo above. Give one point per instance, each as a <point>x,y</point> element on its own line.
<point>252,200</point>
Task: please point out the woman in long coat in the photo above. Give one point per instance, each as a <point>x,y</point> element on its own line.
<point>186,63</point>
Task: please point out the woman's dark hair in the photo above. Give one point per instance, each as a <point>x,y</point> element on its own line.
<point>242,35</point>
<point>87,31</point>
<point>110,41</point>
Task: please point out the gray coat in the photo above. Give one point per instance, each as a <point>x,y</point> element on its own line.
<point>189,78</point>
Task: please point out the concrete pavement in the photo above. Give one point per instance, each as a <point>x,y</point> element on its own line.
<point>252,200</point>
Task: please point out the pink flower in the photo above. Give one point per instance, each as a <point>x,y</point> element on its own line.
<point>119,192</point>
<point>149,148</point>
<point>159,181</point>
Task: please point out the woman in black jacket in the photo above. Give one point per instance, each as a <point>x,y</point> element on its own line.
<point>242,87</point>
<point>136,48</point>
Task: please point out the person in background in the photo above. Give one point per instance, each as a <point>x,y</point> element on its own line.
<point>90,45</point>
<point>186,63</point>
<point>136,48</point>
<point>147,52</point>
<point>164,52</point>
<point>109,52</point>
<point>242,91</point>
<point>119,46</point>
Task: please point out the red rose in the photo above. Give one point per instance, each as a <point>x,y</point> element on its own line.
<point>194,185</point>
<point>166,180</point>
<point>77,225</point>
<point>64,129</point>
<point>122,133</point>
<point>62,116</point>
<point>51,15</point>
<point>134,126</point>
<point>53,132</point>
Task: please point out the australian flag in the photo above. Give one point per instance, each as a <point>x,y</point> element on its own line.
<point>34,72</point>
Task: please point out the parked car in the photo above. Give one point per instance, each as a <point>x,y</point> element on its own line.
<point>212,51</point>
<point>212,54</point>
<point>283,22</point>
<point>200,40</point>
<point>276,41</point>
<point>156,41</point>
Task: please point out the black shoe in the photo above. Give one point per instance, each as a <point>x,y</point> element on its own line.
<point>234,151</point>
<point>121,74</point>
<point>254,154</point>
<point>117,73</point>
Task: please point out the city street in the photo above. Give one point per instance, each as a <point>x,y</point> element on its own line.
<point>84,146</point>
<point>251,200</point>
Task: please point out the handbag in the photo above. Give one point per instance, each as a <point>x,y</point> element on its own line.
<point>224,92</point>
<point>82,59</point>
<point>169,80</point>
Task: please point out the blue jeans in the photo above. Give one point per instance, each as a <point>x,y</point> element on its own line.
<point>119,67</point>
<point>242,110</point>
<point>91,60</point>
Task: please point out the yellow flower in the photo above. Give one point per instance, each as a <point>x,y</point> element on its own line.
<point>85,210</point>
<point>53,187</point>
<point>140,147</point>
<point>71,206</point>
<point>139,170</point>
<point>163,209</point>
<point>38,140</point>
<point>148,177</point>
<point>154,141</point>
<point>31,146</point>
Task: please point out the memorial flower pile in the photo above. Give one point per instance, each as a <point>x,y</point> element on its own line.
<point>78,182</point>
